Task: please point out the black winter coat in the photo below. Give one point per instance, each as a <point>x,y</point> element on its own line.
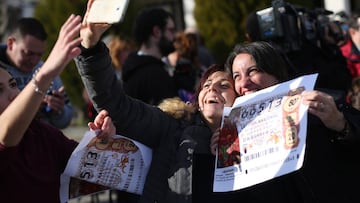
<point>145,78</point>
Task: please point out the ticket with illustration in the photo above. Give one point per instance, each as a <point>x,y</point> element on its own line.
<point>98,164</point>
<point>263,136</point>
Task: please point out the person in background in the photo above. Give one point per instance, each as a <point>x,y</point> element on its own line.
<point>183,64</point>
<point>21,56</point>
<point>354,93</point>
<point>144,75</point>
<point>332,135</point>
<point>326,59</point>
<point>119,49</point>
<point>206,58</point>
<point>351,49</point>
<point>33,154</point>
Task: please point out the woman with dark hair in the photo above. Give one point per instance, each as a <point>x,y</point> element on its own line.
<point>273,65</point>
<point>330,170</point>
<point>353,94</point>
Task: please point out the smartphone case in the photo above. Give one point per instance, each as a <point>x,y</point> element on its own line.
<point>107,11</point>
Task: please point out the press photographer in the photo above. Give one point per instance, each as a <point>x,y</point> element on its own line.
<point>308,39</point>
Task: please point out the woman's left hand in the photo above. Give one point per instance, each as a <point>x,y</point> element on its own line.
<point>323,106</point>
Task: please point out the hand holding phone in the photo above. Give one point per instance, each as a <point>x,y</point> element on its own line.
<point>107,11</point>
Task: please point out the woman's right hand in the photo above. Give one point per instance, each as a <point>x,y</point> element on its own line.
<point>323,106</point>
<point>65,49</point>
<point>91,32</point>
<point>104,124</point>
<point>214,141</point>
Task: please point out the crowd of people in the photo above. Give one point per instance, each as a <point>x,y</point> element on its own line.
<point>165,90</point>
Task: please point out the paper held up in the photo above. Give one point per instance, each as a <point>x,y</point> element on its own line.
<point>98,164</point>
<point>263,136</point>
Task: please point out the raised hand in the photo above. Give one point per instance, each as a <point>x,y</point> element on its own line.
<point>91,32</point>
<point>65,48</point>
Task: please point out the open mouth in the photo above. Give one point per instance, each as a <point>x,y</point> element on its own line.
<point>213,100</point>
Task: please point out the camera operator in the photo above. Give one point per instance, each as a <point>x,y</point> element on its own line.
<point>351,49</point>
<point>311,48</point>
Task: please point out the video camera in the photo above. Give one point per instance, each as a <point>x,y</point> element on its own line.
<point>288,26</point>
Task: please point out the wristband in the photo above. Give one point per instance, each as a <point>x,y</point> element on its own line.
<point>36,87</point>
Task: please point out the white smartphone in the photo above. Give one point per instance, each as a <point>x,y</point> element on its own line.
<point>107,11</point>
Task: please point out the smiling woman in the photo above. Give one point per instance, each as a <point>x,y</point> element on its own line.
<point>182,159</point>
<point>332,132</point>
<point>215,90</point>
<point>182,166</point>
<point>251,72</point>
